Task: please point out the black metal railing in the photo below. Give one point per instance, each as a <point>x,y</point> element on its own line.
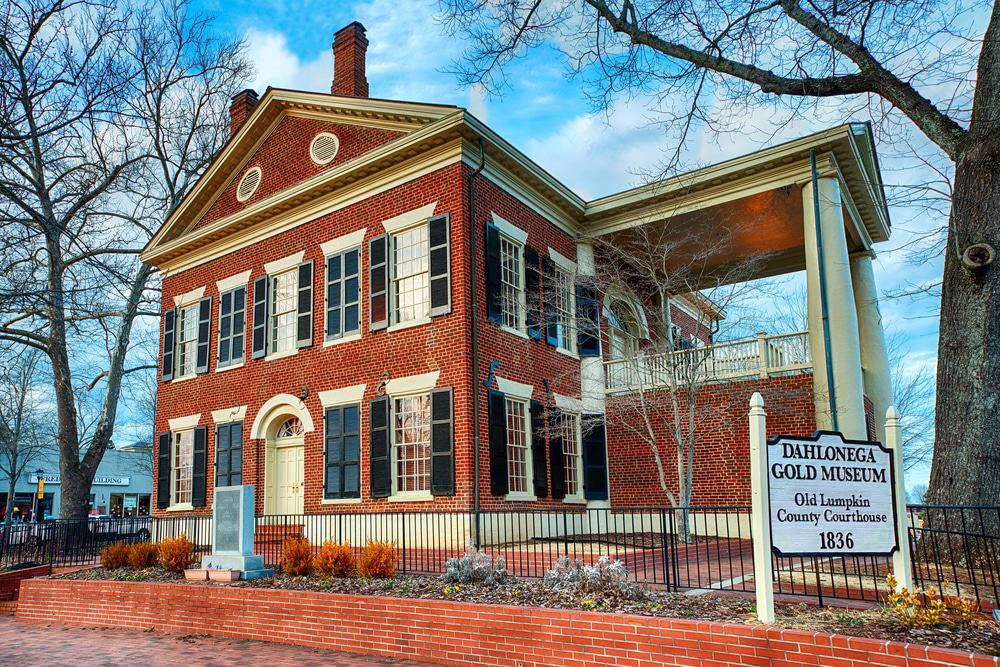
<point>955,550</point>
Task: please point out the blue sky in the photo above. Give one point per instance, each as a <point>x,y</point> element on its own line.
<point>548,117</point>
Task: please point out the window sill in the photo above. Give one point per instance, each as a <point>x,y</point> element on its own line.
<point>575,500</point>
<point>521,497</point>
<point>282,355</point>
<point>516,332</point>
<point>180,507</point>
<point>340,501</point>
<point>569,353</point>
<point>350,338</point>
<point>409,324</point>
<point>219,369</point>
<point>411,497</point>
<point>184,378</point>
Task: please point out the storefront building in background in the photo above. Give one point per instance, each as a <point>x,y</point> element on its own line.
<point>122,486</point>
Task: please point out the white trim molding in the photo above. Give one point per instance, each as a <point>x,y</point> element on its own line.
<point>409,219</point>
<point>285,263</point>
<point>509,229</point>
<point>342,396</point>
<point>188,298</point>
<point>515,389</point>
<point>229,415</point>
<point>568,403</point>
<point>562,261</point>
<point>344,242</point>
<point>184,423</point>
<point>412,384</point>
<point>280,404</point>
<point>232,282</point>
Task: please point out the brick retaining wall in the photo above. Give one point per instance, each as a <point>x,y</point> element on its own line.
<point>457,633</point>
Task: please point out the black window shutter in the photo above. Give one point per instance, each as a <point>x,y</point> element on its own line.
<point>539,445</point>
<point>378,282</point>
<point>494,308</point>
<point>499,484</point>
<point>225,329</point>
<point>442,443</point>
<point>351,438</point>
<point>163,471</point>
<point>557,464</point>
<point>381,480</point>
<point>333,452</point>
<point>204,334</point>
<point>304,320</point>
<point>222,449</point>
<point>199,471</point>
<point>236,454</point>
<point>588,321</point>
<point>440,264</point>
<point>167,371</point>
<point>532,284</point>
<point>261,287</point>
<point>595,458</point>
<point>551,319</point>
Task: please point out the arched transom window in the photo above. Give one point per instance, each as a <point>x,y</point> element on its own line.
<point>290,428</point>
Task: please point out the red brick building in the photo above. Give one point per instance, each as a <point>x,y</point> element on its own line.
<point>374,305</point>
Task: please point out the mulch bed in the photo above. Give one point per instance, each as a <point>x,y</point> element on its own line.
<point>982,636</point>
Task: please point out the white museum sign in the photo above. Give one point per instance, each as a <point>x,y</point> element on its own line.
<point>831,496</point>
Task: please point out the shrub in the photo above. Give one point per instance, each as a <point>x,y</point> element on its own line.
<point>115,555</point>
<point>475,565</point>
<point>142,555</point>
<point>176,553</point>
<point>335,560</point>
<point>924,609</point>
<point>296,557</point>
<point>605,578</point>
<point>378,560</point>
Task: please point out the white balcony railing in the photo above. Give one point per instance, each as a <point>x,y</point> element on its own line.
<point>760,357</point>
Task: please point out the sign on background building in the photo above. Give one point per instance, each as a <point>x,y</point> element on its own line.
<point>830,496</point>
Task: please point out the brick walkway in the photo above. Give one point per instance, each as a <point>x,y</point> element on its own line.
<point>55,645</point>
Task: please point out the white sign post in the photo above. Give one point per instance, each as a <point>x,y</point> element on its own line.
<point>824,496</point>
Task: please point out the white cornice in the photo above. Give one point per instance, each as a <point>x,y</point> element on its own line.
<point>400,222</point>
<point>232,282</point>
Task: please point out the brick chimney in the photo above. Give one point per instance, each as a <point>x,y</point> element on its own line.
<point>240,109</point>
<point>349,48</point>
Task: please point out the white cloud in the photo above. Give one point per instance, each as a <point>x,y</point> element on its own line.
<point>278,67</point>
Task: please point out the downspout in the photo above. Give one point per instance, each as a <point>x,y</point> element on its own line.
<point>476,440</point>
<point>824,312</point>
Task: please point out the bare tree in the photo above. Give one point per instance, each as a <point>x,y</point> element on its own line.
<point>110,112</point>
<point>930,66</point>
<point>25,433</point>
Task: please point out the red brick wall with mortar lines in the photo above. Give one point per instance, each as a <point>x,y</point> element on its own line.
<point>870,421</point>
<point>722,449</point>
<point>689,326</point>
<point>459,633</point>
<point>435,346</point>
<point>521,359</point>
<point>284,159</point>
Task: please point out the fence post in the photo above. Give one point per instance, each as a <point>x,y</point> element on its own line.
<point>902,566</point>
<point>760,512</point>
<point>762,351</point>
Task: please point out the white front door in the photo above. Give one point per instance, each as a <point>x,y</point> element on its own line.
<point>289,477</point>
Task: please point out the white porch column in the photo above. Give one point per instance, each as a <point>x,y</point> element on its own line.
<point>592,388</point>
<point>874,357</point>
<point>842,317</point>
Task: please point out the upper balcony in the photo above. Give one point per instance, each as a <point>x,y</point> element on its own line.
<point>761,357</point>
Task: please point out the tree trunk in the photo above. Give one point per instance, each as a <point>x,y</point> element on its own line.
<point>11,487</point>
<point>966,466</point>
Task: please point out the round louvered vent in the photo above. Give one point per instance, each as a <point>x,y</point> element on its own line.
<point>248,184</point>
<point>324,148</point>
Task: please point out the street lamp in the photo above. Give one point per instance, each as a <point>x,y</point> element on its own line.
<point>39,479</point>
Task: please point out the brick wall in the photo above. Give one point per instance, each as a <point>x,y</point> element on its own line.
<point>457,633</point>
<point>722,449</point>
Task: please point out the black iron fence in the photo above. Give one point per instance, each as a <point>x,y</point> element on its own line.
<point>955,550</point>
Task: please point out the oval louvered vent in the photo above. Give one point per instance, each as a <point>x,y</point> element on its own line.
<point>248,184</point>
<point>324,148</point>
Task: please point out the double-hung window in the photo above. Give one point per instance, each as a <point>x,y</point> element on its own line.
<point>232,322</point>
<point>187,341</point>
<point>411,275</point>
<point>343,294</point>
<point>182,468</point>
<point>569,425</point>
<point>563,308</point>
<point>512,297</point>
<point>284,313</point>
<point>519,479</point>
<point>411,443</point>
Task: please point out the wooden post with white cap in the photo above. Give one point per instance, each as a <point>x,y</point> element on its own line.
<point>902,566</point>
<point>760,512</point>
